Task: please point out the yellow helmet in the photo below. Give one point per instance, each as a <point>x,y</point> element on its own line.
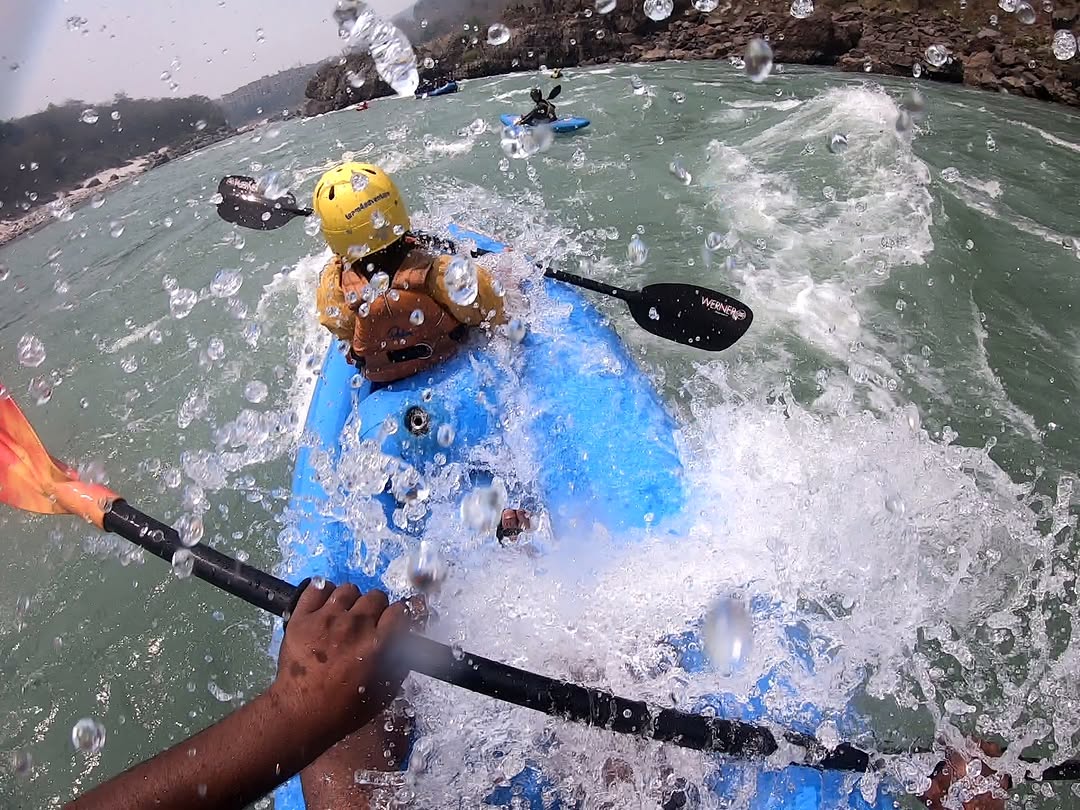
<point>361,210</point>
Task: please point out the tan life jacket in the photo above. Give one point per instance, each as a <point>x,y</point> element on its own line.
<point>386,344</point>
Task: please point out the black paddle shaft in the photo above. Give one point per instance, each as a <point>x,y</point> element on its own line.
<point>572,702</point>
<point>569,701</point>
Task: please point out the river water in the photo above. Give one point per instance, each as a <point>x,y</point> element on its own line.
<point>888,453</point>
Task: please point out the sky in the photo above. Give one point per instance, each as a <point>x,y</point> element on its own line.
<point>127,45</point>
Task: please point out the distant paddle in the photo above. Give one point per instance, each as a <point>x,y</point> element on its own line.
<point>32,480</point>
<point>244,203</point>
<point>684,313</point>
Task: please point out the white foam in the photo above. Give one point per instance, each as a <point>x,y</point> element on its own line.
<point>808,261</point>
<point>996,389</point>
<point>788,506</point>
<point>134,336</point>
<point>1046,136</point>
<point>754,104</point>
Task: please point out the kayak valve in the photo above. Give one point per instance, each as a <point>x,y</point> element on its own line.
<point>417,421</point>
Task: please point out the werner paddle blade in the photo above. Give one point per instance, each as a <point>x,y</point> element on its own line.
<point>244,203</point>
<point>692,315</point>
<point>32,480</point>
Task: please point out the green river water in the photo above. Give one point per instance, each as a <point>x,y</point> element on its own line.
<point>890,449</point>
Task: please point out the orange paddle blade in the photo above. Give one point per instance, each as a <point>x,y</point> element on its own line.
<point>32,480</point>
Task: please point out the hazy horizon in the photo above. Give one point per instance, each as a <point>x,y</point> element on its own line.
<point>209,47</point>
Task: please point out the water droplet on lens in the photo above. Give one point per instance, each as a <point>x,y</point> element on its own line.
<point>39,390</point>
<point>215,348</point>
<point>190,529</point>
<point>457,651</point>
<point>916,70</point>
<point>461,279</point>
<point>1008,6</point>
<point>445,435</point>
<point>88,735</point>
<point>116,229</point>
<point>31,351</point>
<point>828,735</point>
<point>838,144</point>
<point>637,251</point>
<point>21,763</point>
<point>1064,45</point>
<point>181,302</point>
<point>706,5</point>
<point>653,314</point>
<point>728,635</point>
<point>895,504</point>
<point>758,60</point>
<point>226,283</point>
<point>498,34</point>
<point>425,567</point>
<point>515,330</point>
<point>678,97</point>
<point>679,172</point>
<point>417,317</point>
<point>658,9</point>
<point>1025,13</point>
<point>481,509</point>
<point>89,116</point>
<point>605,6</point>
<point>801,9</point>
<point>183,563</point>
<point>256,392</point>
<point>937,55</point>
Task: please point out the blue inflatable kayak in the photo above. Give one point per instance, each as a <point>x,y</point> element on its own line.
<point>625,474</point>
<point>446,89</point>
<point>561,125</point>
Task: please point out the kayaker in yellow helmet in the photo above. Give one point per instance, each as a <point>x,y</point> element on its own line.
<point>402,307</point>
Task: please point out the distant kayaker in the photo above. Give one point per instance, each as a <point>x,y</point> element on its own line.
<point>543,111</point>
<point>401,307</point>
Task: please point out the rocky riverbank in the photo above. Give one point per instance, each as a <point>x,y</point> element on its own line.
<point>985,46</point>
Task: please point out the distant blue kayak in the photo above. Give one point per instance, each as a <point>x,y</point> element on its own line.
<point>561,125</point>
<point>444,90</point>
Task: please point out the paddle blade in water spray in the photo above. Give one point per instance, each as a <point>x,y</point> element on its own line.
<point>32,480</point>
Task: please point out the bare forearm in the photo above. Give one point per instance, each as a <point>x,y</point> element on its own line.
<point>229,765</point>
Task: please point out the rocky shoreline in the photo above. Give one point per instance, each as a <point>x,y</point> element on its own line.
<point>60,204</point>
<point>64,205</point>
<point>986,46</point>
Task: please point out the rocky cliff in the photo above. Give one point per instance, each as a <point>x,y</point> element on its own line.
<point>987,47</point>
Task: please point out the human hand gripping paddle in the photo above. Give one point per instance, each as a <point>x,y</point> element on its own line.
<point>34,481</point>
<point>685,313</point>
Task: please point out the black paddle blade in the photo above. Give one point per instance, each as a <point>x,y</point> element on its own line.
<point>694,316</point>
<point>555,91</point>
<point>244,203</point>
